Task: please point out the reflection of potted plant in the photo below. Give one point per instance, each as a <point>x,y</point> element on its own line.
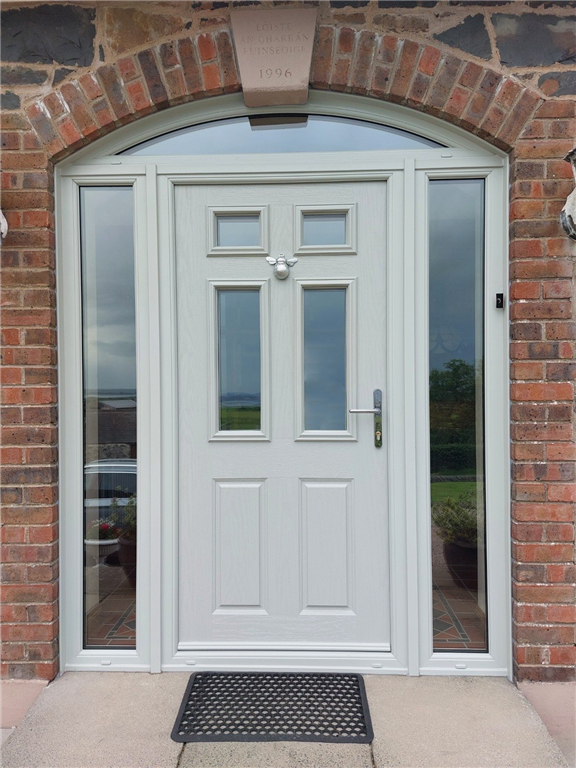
<point>101,540</point>
<point>125,520</point>
<point>457,524</point>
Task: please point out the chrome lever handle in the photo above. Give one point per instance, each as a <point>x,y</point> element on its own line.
<point>377,413</point>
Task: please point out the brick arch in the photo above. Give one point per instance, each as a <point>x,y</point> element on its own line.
<point>431,79</point>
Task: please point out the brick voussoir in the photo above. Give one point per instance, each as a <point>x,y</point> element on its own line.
<point>44,128</point>
<point>322,61</point>
<point>153,78</point>
<point>519,117</point>
<point>483,97</point>
<point>79,110</point>
<point>363,62</point>
<point>340,75</point>
<point>168,55</point>
<point>443,84</point>
<point>190,66</point>
<point>112,85</point>
<point>227,60</point>
<point>407,57</point>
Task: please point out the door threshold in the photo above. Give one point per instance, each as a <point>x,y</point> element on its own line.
<point>280,647</point>
<point>367,662</point>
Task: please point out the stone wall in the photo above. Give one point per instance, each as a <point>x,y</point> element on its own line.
<point>503,70</point>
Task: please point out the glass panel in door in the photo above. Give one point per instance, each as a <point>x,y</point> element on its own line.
<point>109,374</point>
<point>456,349</point>
<point>325,359</point>
<point>324,229</point>
<point>239,359</point>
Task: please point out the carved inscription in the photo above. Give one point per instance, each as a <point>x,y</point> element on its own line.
<point>274,51</point>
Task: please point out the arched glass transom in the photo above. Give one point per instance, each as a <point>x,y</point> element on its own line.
<point>280,133</point>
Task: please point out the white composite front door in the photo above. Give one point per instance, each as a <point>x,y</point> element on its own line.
<point>283,519</point>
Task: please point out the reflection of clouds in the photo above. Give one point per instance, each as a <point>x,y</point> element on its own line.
<point>318,134</point>
<point>325,358</point>
<point>108,287</point>
<point>444,339</point>
<point>239,345</point>
<point>456,253</point>
<point>118,348</point>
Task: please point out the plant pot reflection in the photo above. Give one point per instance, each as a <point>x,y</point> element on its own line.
<point>127,555</point>
<point>462,561</point>
<point>97,549</point>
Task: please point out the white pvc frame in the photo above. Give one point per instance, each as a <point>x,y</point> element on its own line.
<point>406,174</point>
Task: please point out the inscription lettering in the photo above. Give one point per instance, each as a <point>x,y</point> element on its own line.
<point>273,27</point>
<point>268,73</point>
<point>258,51</point>
<point>274,49</point>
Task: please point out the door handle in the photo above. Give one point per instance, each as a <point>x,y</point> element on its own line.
<point>377,412</point>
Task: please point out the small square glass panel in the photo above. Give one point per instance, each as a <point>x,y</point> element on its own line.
<point>324,229</point>
<point>234,231</point>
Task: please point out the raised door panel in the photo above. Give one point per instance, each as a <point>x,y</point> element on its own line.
<point>240,540</point>
<point>326,536</point>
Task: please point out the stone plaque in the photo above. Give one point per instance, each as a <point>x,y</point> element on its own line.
<point>274,52</point>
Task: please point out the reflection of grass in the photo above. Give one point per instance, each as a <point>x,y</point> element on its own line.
<point>240,417</point>
<point>460,472</point>
<point>441,491</point>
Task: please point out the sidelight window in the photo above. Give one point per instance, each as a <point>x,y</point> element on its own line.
<point>456,389</point>
<point>110,445</point>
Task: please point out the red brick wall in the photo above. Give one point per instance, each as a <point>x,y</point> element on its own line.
<point>388,55</point>
<point>543,371</point>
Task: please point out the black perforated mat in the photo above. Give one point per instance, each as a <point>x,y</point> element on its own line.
<point>275,706</point>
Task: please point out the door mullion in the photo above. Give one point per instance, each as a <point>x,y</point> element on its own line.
<point>411,445</point>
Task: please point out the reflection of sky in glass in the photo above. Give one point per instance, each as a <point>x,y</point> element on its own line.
<point>456,259</point>
<point>238,230</point>
<point>325,358</point>
<point>239,349</point>
<point>319,134</point>
<point>108,288</point>
<point>324,229</point>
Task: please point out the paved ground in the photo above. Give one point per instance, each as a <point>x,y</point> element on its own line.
<point>123,720</point>
<point>556,705</point>
<point>16,698</point>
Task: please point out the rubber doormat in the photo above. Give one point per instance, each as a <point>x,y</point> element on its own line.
<point>275,706</point>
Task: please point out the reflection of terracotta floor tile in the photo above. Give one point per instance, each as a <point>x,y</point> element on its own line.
<point>456,623</point>
<point>450,634</point>
<point>113,621</point>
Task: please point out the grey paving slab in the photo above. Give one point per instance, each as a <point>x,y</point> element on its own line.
<point>276,755</point>
<point>100,720</point>
<point>5,733</point>
<point>456,722</point>
<point>124,720</point>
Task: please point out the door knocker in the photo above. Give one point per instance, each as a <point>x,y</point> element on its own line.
<point>281,265</point>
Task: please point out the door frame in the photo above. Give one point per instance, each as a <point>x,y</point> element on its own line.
<point>406,174</point>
